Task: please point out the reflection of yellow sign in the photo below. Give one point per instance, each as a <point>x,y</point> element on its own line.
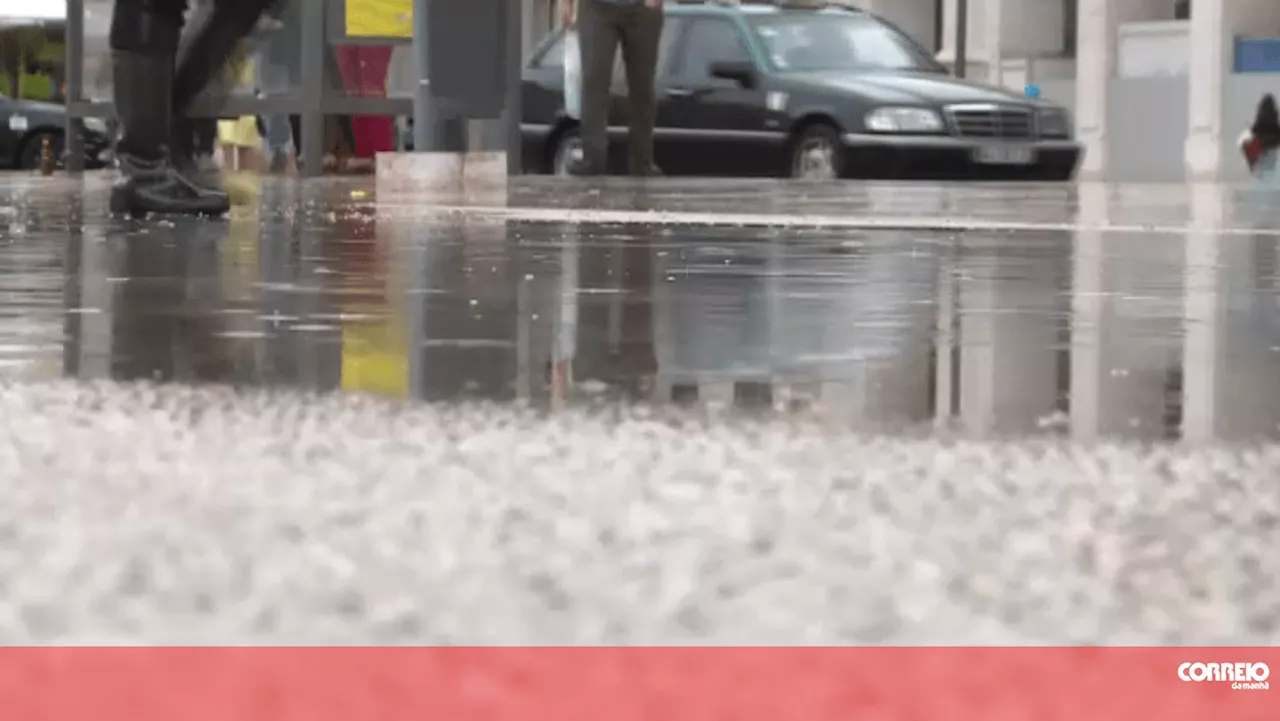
<point>375,358</point>
<point>380,18</point>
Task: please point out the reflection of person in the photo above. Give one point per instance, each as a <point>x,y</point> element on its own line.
<point>1260,143</point>
<point>165,324</point>
<point>614,341</point>
<point>603,26</point>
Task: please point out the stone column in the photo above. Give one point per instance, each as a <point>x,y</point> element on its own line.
<point>1097,23</point>
<point>1009,335</point>
<point>1229,361</point>
<point>1097,48</point>
<point>1125,325</point>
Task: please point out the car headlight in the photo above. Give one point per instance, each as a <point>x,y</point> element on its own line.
<point>1054,123</point>
<point>903,120</point>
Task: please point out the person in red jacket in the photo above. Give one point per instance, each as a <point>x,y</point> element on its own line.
<point>1263,137</point>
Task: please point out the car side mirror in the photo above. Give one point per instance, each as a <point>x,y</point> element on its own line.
<point>741,72</point>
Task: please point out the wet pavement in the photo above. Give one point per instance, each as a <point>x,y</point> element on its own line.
<point>675,412</point>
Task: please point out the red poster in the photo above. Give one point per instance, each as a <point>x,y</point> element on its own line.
<point>639,684</point>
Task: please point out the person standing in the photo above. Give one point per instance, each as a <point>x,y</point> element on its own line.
<point>603,26</point>
<point>152,88</point>
<point>144,39</point>
<point>1260,143</point>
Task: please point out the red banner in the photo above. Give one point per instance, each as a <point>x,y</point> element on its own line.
<point>638,684</point>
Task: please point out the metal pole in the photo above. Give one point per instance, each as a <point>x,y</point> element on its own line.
<point>313,74</point>
<point>424,120</point>
<point>962,37</point>
<point>515,69</point>
<point>75,86</point>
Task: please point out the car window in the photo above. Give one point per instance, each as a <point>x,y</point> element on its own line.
<point>710,41</point>
<point>820,41</point>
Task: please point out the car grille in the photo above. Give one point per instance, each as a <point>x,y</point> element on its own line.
<point>992,122</point>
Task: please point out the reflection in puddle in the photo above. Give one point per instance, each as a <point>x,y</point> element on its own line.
<point>1087,332</point>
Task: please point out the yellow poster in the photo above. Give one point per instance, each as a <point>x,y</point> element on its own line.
<point>380,18</point>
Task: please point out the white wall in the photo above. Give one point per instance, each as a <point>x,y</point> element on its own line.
<point>1031,27</point>
<point>918,18</point>
<point>1154,49</point>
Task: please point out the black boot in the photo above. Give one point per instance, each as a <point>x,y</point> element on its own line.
<point>142,61</point>
<point>206,48</point>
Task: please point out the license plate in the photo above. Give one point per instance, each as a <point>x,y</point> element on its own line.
<point>1004,155</point>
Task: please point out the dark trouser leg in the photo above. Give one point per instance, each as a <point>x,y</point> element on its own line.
<point>144,38</point>
<point>598,38</point>
<point>295,129</point>
<point>204,54</point>
<point>641,33</point>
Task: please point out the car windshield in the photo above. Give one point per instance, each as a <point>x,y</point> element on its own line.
<point>839,41</point>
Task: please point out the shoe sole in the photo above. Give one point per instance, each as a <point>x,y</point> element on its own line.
<point>121,204</point>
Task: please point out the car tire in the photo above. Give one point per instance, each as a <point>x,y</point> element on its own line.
<point>565,152</point>
<point>29,154</point>
<point>815,154</point>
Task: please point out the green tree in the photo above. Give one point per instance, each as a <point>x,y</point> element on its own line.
<point>18,47</point>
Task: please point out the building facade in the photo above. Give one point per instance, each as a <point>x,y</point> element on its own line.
<point>1155,97</point>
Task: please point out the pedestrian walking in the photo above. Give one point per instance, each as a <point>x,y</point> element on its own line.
<point>1260,143</point>
<point>153,88</point>
<point>604,26</point>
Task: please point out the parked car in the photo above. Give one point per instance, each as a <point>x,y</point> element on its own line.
<point>772,90</point>
<point>24,124</point>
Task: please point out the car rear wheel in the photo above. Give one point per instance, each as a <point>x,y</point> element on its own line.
<point>567,152</point>
<point>815,155</point>
<point>32,149</point>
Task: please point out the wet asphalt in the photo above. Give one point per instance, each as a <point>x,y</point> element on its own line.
<point>676,412</point>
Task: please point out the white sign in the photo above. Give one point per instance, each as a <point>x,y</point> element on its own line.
<point>1241,676</point>
<point>18,123</point>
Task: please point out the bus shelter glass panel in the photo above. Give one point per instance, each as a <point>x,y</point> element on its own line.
<point>97,50</point>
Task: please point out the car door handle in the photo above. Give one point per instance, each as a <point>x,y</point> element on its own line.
<point>681,92</point>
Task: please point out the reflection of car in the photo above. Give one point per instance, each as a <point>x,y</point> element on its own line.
<point>762,90</point>
<point>24,124</point>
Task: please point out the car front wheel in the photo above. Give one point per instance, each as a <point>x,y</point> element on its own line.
<point>815,154</point>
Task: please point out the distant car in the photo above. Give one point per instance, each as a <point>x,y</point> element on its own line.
<point>769,90</point>
<point>24,124</point>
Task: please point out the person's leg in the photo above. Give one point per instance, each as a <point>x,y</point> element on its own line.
<point>598,37</point>
<point>641,33</point>
<point>144,39</point>
<point>278,142</point>
<point>206,48</point>
<point>295,129</point>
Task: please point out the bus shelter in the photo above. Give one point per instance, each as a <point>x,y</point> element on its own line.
<point>328,58</point>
